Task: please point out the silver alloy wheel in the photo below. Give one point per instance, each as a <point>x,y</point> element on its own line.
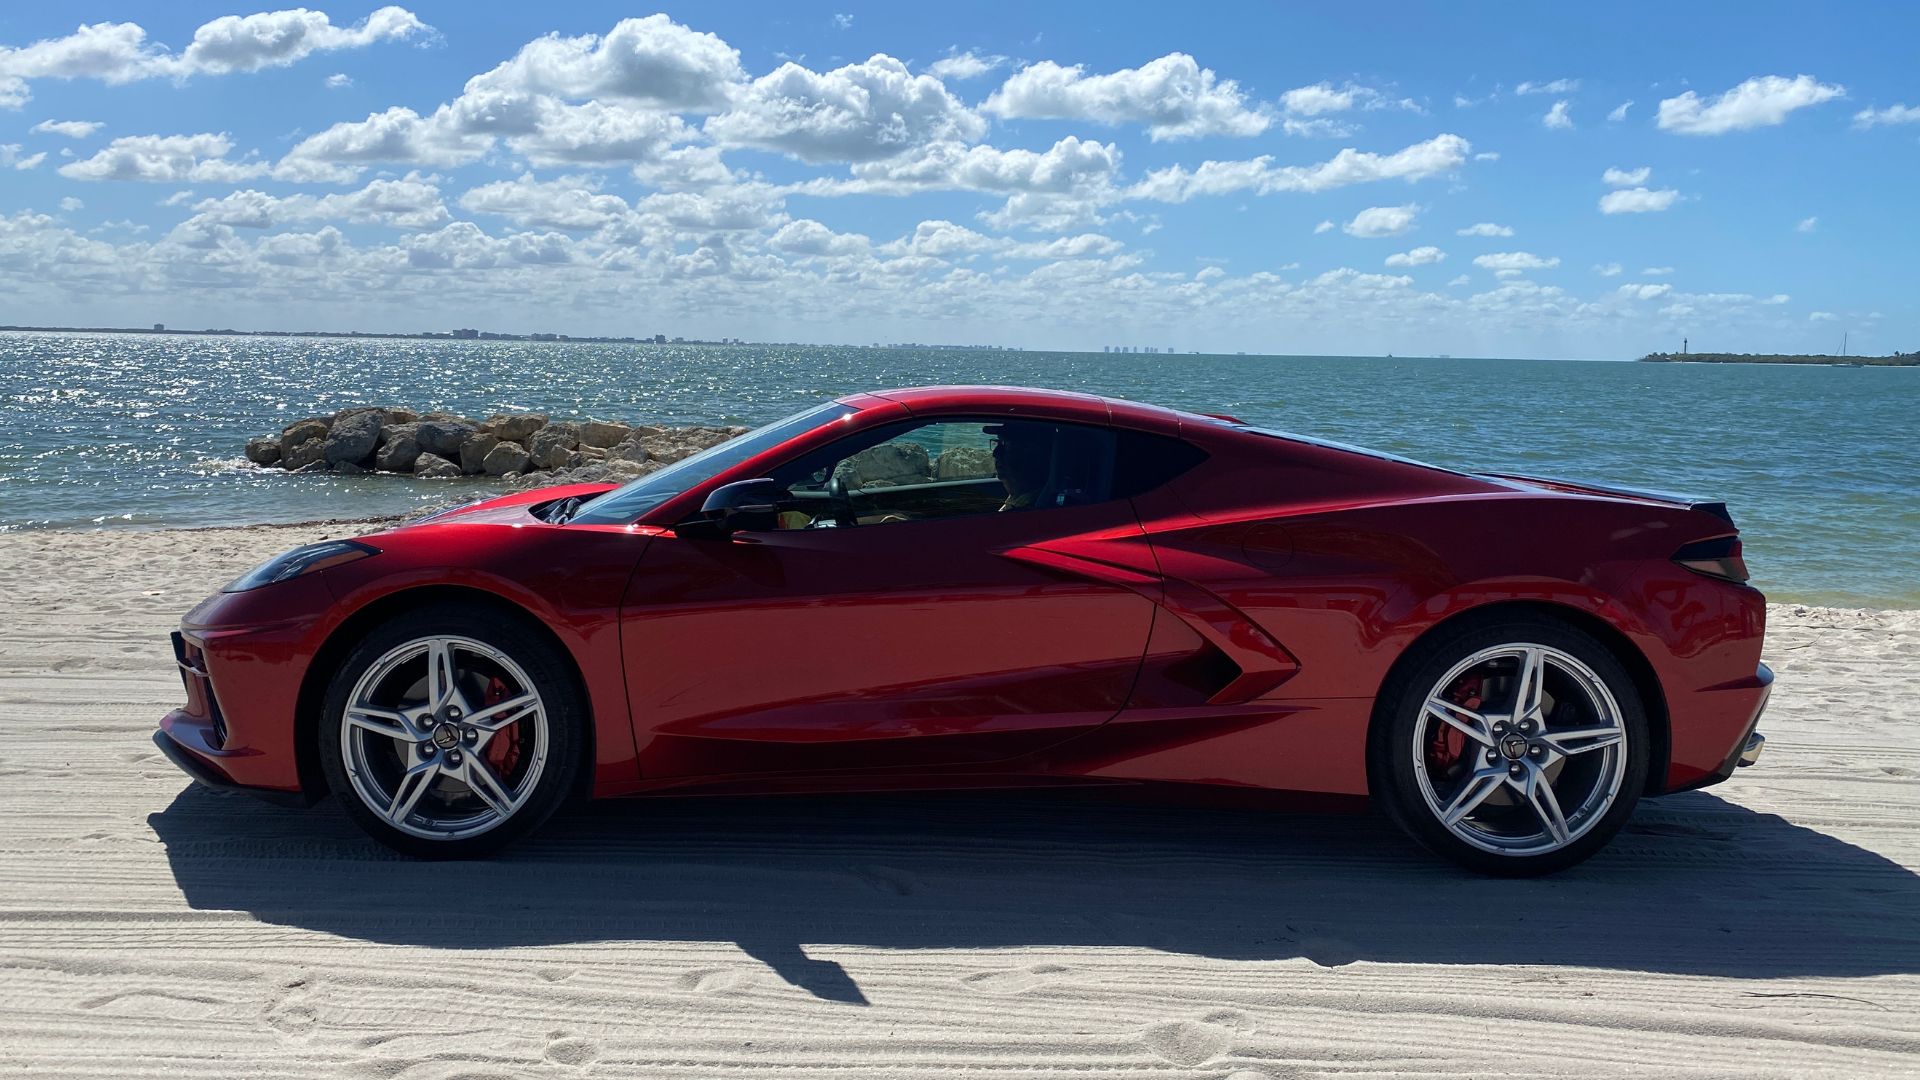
<point>1543,753</point>
<point>417,730</point>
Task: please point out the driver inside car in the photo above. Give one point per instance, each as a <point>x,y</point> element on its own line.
<point>1021,458</point>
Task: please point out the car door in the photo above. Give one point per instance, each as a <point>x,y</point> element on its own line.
<point>909,626</point>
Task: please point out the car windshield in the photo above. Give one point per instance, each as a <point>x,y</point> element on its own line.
<point>625,504</point>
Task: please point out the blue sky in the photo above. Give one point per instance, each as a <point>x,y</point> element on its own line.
<point>1527,180</point>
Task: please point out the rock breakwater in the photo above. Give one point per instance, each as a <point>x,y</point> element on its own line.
<point>521,449</point>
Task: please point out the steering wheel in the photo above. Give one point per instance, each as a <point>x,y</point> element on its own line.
<point>841,502</point>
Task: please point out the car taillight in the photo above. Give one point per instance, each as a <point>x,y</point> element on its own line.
<point>1717,558</point>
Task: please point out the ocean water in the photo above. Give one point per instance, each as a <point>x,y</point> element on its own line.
<point>1819,465</point>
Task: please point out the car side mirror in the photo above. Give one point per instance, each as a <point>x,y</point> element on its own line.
<point>742,506</point>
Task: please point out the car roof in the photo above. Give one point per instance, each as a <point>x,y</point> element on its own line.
<point>932,399</point>
<point>1089,407</point>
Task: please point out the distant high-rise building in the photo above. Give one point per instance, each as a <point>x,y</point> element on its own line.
<point>159,328</point>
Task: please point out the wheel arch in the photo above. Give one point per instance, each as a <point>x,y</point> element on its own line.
<point>1639,668</point>
<point>333,651</point>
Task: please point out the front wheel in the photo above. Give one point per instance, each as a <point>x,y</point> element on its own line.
<point>449,731</point>
<point>1516,747</point>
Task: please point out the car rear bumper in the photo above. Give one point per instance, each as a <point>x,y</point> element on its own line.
<point>1749,699</point>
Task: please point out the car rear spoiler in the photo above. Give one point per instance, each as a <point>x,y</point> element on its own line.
<point>1716,507</point>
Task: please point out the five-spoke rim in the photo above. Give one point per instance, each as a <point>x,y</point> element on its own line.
<point>1520,749</point>
<point>444,737</point>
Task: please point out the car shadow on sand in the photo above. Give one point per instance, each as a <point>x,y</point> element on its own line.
<point>1694,885</point>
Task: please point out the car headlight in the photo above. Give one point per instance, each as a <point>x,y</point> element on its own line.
<point>301,560</point>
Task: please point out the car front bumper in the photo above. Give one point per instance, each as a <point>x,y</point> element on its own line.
<point>201,766</point>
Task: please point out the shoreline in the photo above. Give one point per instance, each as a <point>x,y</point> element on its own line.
<point>1778,601</point>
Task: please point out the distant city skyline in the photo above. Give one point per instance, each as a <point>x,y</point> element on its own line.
<point>1526,181</point>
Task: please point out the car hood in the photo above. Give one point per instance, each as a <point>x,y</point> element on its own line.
<point>511,509</point>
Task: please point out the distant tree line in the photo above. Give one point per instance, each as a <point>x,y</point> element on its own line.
<point>1898,359</point>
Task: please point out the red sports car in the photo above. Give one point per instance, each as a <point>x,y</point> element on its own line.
<point>990,587</point>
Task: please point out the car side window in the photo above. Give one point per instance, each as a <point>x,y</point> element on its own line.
<point>950,468</point>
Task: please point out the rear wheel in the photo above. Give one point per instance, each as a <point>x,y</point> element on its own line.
<point>449,732</point>
<point>1514,747</point>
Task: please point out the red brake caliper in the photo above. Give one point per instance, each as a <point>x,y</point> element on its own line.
<point>503,750</point>
<point>1445,743</point>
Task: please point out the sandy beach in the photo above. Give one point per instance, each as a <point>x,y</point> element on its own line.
<point>1764,928</point>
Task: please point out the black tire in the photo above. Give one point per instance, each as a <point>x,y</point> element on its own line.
<point>1396,779</point>
<point>551,676</point>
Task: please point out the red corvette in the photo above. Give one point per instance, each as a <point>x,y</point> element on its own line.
<point>991,587</point>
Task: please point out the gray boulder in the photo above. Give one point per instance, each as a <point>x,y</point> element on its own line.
<point>434,467</point>
<point>551,446</point>
<point>353,436</point>
<point>443,437</point>
<point>514,427</point>
<point>348,468</point>
<point>264,450</point>
<point>607,472</point>
<point>962,463</point>
<point>399,447</point>
<point>307,453</point>
<point>300,431</point>
<point>473,453</point>
<point>505,457</point>
<point>630,450</point>
<point>401,416</point>
<point>599,433</point>
<point>704,437</point>
<point>886,465</point>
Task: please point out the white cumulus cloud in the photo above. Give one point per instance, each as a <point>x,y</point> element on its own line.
<point>1485,228</point>
<point>165,159</point>
<point>11,158</point>
<point>1174,97</point>
<point>654,60</point>
<point>118,53</point>
<point>1378,221</point>
<point>1558,118</point>
<point>1556,86</point>
<point>1420,256</point>
<point>1510,263</point>
<point>861,112</point>
<point>1637,200</point>
<point>1615,177</point>
<point>1619,113</point>
<point>961,66</point>
<point>1807,225</point>
<point>1437,156</point>
<point>72,129</point>
<point>1763,101</point>
<point>1892,114</point>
